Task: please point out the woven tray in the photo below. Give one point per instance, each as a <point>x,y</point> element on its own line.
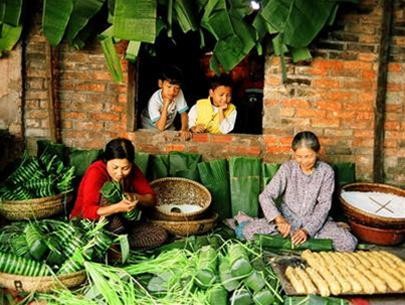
<point>190,227</point>
<point>179,191</point>
<point>41,284</point>
<point>34,208</point>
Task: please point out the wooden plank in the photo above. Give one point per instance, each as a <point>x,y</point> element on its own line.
<point>379,113</point>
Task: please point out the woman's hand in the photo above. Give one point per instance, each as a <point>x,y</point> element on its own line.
<point>126,205</point>
<point>282,226</point>
<point>299,237</point>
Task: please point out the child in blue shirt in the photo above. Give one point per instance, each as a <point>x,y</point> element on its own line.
<point>165,103</point>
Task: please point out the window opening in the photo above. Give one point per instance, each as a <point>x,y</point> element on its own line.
<point>186,53</point>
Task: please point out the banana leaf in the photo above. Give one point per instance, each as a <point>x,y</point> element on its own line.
<point>272,242</point>
<point>159,167</point>
<point>241,7</point>
<point>345,172</point>
<point>184,165</point>
<point>268,172</point>
<point>81,159</point>
<point>12,12</point>
<point>135,20</point>
<point>300,54</point>
<point>314,300</point>
<point>52,149</point>
<point>132,50</point>
<point>83,11</point>
<point>185,13</point>
<point>110,54</point>
<point>9,37</point>
<point>214,176</point>
<point>89,30</point>
<point>142,161</point>
<point>218,24</point>
<point>55,18</point>
<point>245,183</point>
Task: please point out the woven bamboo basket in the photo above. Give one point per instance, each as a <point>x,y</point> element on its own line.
<point>34,208</point>
<point>188,227</point>
<point>362,217</point>
<point>41,284</point>
<point>180,191</point>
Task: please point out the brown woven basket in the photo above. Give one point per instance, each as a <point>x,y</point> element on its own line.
<point>174,190</point>
<point>41,284</point>
<point>34,208</point>
<point>365,218</point>
<point>190,227</point>
<point>147,236</point>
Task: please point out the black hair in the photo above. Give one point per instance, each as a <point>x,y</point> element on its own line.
<point>306,139</point>
<point>220,80</point>
<point>119,148</point>
<point>172,74</point>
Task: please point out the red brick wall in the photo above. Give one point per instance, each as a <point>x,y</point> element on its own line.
<point>334,95</point>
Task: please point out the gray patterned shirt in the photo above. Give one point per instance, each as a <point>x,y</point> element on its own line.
<point>306,199</point>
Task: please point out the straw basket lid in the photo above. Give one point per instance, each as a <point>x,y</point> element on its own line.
<point>180,192</point>
<point>188,227</point>
<point>41,284</point>
<point>363,216</point>
<point>34,208</point>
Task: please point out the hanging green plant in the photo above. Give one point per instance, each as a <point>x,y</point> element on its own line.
<point>236,27</point>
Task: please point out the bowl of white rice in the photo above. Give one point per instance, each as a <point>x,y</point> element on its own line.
<point>374,204</point>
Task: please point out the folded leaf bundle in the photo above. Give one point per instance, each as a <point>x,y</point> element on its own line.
<point>278,242</point>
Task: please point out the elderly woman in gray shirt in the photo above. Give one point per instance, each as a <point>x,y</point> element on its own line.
<point>306,186</point>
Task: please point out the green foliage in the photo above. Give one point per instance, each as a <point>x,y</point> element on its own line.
<point>234,25</point>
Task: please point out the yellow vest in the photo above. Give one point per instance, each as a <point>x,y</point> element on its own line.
<point>207,116</point>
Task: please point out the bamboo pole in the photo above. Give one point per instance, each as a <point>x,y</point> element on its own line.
<point>54,128</point>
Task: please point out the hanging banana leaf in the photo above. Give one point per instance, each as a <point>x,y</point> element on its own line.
<point>135,20</point>
<point>185,12</point>
<point>110,54</point>
<point>305,22</point>
<point>218,23</point>
<point>83,11</point>
<point>55,18</point>
<point>231,50</point>
<point>12,12</point>
<point>90,30</point>
<point>299,54</point>
<point>132,50</point>
<point>9,37</point>
<point>241,7</point>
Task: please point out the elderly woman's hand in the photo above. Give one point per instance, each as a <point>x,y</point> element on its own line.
<point>283,226</point>
<point>299,237</point>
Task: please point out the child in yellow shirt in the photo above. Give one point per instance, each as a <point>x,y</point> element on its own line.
<point>215,114</point>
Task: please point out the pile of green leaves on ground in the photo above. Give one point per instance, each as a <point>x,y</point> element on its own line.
<point>38,177</point>
<point>206,270</point>
<point>45,247</point>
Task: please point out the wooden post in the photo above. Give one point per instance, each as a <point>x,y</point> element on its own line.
<point>379,117</point>
<point>54,128</point>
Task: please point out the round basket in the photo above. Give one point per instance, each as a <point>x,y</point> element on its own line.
<point>190,227</point>
<point>34,208</point>
<point>363,217</point>
<point>147,236</point>
<point>180,191</point>
<point>41,284</point>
